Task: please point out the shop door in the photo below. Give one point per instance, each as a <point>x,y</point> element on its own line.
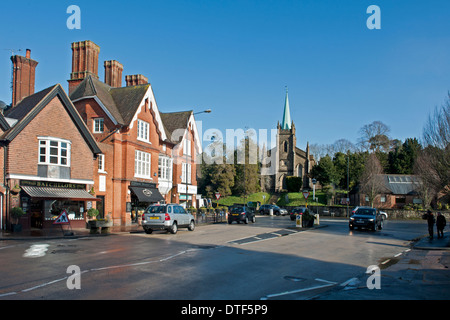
<point>37,214</point>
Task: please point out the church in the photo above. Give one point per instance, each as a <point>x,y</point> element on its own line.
<point>285,159</point>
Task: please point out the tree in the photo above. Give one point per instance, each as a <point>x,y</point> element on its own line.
<point>324,171</point>
<point>372,179</point>
<point>374,137</point>
<point>436,136</point>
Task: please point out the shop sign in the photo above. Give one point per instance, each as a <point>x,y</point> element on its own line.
<point>50,184</point>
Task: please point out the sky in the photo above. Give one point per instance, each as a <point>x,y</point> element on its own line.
<point>236,57</point>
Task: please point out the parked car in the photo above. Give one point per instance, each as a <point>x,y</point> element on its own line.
<point>265,209</point>
<point>366,217</point>
<point>168,217</point>
<point>241,214</point>
<point>295,211</point>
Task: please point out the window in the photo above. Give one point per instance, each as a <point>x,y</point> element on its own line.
<point>98,125</point>
<point>183,173</point>
<point>187,147</point>
<point>143,131</point>
<point>142,164</point>
<point>101,163</point>
<point>53,151</point>
<point>165,168</point>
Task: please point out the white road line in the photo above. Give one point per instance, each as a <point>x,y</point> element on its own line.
<point>296,291</point>
<point>343,284</point>
<point>386,261</point>
<point>398,254</point>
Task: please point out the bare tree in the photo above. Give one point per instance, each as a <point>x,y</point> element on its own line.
<point>425,185</point>
<point>374,137</point>
<point>436,136</point>
<point>372,178</point>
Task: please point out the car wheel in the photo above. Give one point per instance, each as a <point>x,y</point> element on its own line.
<point>174,228</point>
<point>148,230</point>
<point>380,226</point>
<point>229,221</point>
<point>191,226</point>
<point>246,220</point>
<point>253,219</point>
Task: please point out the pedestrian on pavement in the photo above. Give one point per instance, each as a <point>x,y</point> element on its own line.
<point>440,225</point>
<point>430,221</point>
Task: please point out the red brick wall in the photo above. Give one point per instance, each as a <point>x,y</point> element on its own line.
<point>52,121</point>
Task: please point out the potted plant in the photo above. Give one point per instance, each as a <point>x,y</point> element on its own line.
<point>16,213</point>
<point>307,219</point>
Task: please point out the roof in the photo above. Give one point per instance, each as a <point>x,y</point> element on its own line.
<point>120,104</point>
<point>286,123</point>
<point>174,121</point>
<point>401,184</point>
<point>29,107</point>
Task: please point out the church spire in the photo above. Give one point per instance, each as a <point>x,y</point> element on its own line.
<point>286,123</point>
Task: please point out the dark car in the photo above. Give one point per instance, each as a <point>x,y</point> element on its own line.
<point>265,209</point>
<point>366,217</point>
<point>241,214</point>
<point>294,212</point>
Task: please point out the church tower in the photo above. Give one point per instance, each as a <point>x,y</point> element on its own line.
<point>286,143</point>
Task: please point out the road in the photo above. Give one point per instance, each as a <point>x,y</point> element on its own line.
<point>268,260</point>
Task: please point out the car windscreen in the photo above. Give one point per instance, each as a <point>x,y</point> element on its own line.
<point>237,210</point>
<point>365,212</point>
<point>156,209</point>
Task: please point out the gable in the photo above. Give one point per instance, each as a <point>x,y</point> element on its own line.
<point>30,107</point>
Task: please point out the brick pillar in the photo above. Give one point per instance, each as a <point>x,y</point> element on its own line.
<point>135,80</point>
<point>113,73</point>
<point>84,62</point>
<point>24,72</point>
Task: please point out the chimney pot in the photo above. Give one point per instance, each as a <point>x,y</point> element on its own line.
<point>28,55</point>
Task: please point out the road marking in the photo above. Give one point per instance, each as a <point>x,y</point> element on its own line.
<point>398,254</point>
<point>296,291</point>
<point>352,280</point>
<point>386,261</point>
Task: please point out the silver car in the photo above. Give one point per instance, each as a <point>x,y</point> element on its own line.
<point>168,217</point>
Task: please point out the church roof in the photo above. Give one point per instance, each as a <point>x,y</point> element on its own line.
<point>286,123</point>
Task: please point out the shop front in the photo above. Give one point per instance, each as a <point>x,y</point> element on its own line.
<point>143,194</point>
<point>43,201</point>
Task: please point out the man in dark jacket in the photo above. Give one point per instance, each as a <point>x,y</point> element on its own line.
<point>440,225</point>
<point>430,220</point>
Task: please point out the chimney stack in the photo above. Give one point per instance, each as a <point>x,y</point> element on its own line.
<point>113,73</point>
<point>84,62</point>
<point>24,74</point>
<point>135,80</point>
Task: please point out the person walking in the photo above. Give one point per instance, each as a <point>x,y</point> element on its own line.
<point>440,225</point>
<point>430,221</point>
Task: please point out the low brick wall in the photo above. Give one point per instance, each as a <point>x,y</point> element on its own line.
<point>393,214</point>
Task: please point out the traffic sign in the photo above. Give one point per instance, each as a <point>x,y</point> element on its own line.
<point>217,195</point>
<point>62,218</point>
<point>305,194</point>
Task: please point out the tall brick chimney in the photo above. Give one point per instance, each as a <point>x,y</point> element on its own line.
<point>84,62</point>
<point>113,73</point>
<point>24,71</point>
<point>135,80</point>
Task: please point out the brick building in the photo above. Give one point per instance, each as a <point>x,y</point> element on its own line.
<point>46,153</point>
<point>148,156</point>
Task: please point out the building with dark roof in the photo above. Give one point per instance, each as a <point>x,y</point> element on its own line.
<point>148,156</point>
<point>47,155</point>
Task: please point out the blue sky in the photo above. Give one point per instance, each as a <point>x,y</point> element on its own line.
<point>237,57</point>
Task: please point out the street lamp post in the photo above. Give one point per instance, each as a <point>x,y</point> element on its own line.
<point>186,168</point>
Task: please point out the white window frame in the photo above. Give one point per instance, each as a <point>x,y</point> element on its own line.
<point>165,165</point>
<point>183,172</point>
<point>142,164</point>
<point>187,147</point>
<point>50,148</point>
<point>99,125</point>
<point>143,131</point>
<point>101,163</point>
